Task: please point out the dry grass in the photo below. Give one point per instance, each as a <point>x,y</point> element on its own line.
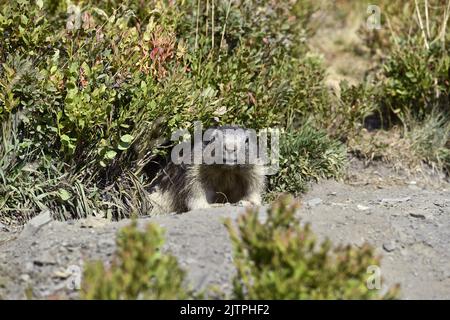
<point>422,147</point>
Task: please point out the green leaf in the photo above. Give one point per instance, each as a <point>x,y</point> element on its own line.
<point>23,19</point>
<point>125,142</point>
<point>65,138</point>
<point>64,194</point>
<point>123,146</point>
<point>126,138</point>
<point>110,154</point>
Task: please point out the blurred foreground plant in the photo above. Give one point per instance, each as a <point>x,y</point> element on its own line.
<point>281,259</point>
<point>139,271</point>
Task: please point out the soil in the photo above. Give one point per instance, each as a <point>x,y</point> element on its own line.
<point>407,221</point>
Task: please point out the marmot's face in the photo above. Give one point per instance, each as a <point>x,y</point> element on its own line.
<point>234,145</point>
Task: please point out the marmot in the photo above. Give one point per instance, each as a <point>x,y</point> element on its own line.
<point>184,187</point>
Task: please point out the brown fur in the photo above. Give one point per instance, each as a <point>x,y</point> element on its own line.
<point>184,188</point>
<point>187,187</point>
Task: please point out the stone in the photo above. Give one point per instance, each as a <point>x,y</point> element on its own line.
<point>44,259</point>
<point>92,222</point>
<point>3,227</point>
<point>25,277</point>
<point>389,246</point>
<point>37,223</point>
<point>314,202</point>
<point>394,200</point>
<point>40,220</point>
<point>417,215</point>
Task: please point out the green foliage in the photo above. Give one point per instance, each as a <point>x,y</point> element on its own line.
<point>32,182</point>
<point>414,50</point>
<point>412,81</point>
<point>306,154</point>
<point>354,106</point>
<point>281,259</point>
<point>27,187</point>
<point>140,270</point>
<point>430,141</point>
<point>94,77</point>
<point>417,80</point>
<point>97,87</point>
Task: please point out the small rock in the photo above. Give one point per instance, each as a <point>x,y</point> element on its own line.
<point>71,270</point>
<point>244,203</point>
<point>314,202</point>
<point>29,266</point>
<point>36,223</point>
<point>389,246</point>
<point>41,219</point>
<point>338,204</point>
<point>417,215</point>
<point>394,200</point>
<point>44,259</point>
<point>362,208</point>
<point>25,277</point>
<point>93,222</point>
<point>62,274</point>
<point>332,194</point>
<point>439,204</point>
<point>3,227</point>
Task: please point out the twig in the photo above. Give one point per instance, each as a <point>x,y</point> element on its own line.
<point>207,17</point>
<point>197,24</point>
<point>212,24</point>
<point>444,24</point>
<point>427,20</point>
<point>421,26</point>
<point>394,35</point>
<point>225,24</point>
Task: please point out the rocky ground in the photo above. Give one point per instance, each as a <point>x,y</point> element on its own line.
<point>408,221</point>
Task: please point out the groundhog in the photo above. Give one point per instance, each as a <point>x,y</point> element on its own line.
<point>184,187</point>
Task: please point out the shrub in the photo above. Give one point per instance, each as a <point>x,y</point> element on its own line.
<point>402,19</point>
<point>355,105</point>
<point>140,270</point>
<point>414,75</point>
<point>412,85</point>
<point>306,154</point>
<point>97,88</point>
<point>281,259</point>
<point>31,182</point>
<point>430,141</point>
<point>417,81</point>
<point>93,78</point>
